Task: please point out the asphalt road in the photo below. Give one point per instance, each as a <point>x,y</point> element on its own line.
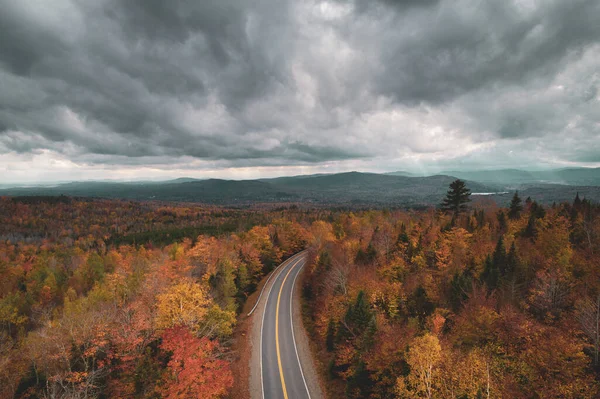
<point>281,371</point>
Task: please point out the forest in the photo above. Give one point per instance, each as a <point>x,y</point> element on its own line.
<point>97,301</point>
<point>113,298</point>
<point>490,303</point>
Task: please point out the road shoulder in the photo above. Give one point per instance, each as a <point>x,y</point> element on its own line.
<point>313,380</point>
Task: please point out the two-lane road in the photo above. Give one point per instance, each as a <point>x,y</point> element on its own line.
<point>281,372</point>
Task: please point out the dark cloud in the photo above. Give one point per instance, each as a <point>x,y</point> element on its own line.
<point>439,53</point>
<point>278,82</point>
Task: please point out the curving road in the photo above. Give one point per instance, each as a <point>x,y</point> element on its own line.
<point>281,370</point>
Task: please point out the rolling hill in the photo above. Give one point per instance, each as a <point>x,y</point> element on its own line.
<point>344,189</point>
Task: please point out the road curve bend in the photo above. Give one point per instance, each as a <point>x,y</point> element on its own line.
<point>281,370</point>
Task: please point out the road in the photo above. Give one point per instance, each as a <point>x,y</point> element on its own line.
<point>281,370</point>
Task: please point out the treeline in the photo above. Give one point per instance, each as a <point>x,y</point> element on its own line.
<point>83,316</point>
<point>486,303</point>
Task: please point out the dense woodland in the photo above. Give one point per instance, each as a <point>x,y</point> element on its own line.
<point>83,315</point>
<point>485,303</point>
<point>103,298</point>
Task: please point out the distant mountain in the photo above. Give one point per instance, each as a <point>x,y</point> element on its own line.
<point>569,176</point>
<point>402,173</point>
<point>351,188</point>
<point>346,189</point>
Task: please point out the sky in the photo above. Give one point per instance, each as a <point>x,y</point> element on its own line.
<point>150,89</point>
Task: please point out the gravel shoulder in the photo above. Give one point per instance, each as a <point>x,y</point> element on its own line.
<point>311,375</point>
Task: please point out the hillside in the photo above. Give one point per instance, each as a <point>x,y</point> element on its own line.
<point>342,188</point>
<point>568,176</point>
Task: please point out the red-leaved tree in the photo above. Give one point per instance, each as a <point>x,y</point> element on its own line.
<point>196,371</point>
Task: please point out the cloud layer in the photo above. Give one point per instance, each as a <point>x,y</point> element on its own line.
<point>229,87</point>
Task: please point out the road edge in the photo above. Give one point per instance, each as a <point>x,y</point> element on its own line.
<point>312,377</point>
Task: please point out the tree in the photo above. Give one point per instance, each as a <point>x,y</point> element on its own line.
<point>457,198</point>
<point>577,202</point>
<point>186,304</point>
<point>490,274</point>
<point>423,358</point>
<point>515,208</point>
<point>589,318</point>
<point>225,285</point>
<point>330,336</point>
<point>357,318</point>
<point>358,383</point>
<point>501,221</point>
<point>195,369</point>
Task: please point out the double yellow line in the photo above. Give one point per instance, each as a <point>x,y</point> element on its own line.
<point>285,394</point>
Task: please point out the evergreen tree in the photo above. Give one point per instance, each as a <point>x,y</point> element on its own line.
<point>537,210</point>
<point>512,261</point>
<point>460,286</point>
<point>403,236</point>
<point>530,230</point>
<point>361,312</point>
<point>419,304</point>
<point>480,218</point>
<point>358,384</point>
<point>457,198</point>
<point>499,257</point>
<point>369,336</point>
<point>577,202</point>
<point>331,369</point>
<point>357,318</point>
<point>330,336</point>
<point>490,274</point>
<point>501,221</point>
<point>515,207</point>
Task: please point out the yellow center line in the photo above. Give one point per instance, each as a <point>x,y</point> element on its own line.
<point>285,395</point>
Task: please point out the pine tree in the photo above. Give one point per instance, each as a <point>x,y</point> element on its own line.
<point>515,207</point>
<point>537,210</point>
<point>457,198</point>
<point>357,318</point>
<point>577,201</point>
<point>490,273</point>
<point>330,336</point>
<point>358,384</point>
<point>368,338</point>
<point>403,236</point>
<point>501,221</point>
<point>499,257</point>
<point>361,312</point>
<point>512,261</point>
<point>530,230</point>
<point>460,286</point>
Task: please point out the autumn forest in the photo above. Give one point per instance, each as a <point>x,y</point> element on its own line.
<point>113,298</point>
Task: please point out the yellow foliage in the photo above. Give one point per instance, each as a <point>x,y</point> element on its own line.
<point>186,303</point>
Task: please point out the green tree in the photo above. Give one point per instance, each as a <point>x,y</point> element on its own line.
<point>225,285</point>
<point>358,384</point>
<point>330,336</point>
<point>516,207</point>
<point>357,318</point>
<point>242,279</point>
<point>490,274</point>
<point>457,198</point>
<point>501,221</point>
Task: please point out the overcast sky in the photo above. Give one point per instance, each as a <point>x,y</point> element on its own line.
<point>130,89</point>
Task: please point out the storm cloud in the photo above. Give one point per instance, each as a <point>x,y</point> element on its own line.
<point>231,85</point>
